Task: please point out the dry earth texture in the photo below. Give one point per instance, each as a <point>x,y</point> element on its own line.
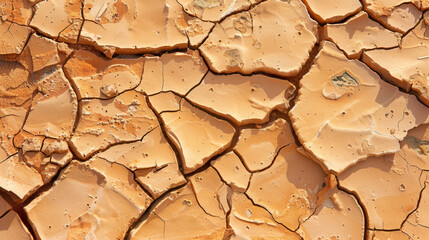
<point>214,119</point>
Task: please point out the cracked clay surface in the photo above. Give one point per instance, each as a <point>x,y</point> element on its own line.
<point>214,120</point>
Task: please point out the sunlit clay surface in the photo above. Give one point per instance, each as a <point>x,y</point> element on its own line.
<point>214,119</point>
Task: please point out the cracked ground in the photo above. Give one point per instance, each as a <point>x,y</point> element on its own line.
<point>214,119</point>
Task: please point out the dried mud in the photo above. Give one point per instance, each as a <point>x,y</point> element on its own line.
<point>214,119</point>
